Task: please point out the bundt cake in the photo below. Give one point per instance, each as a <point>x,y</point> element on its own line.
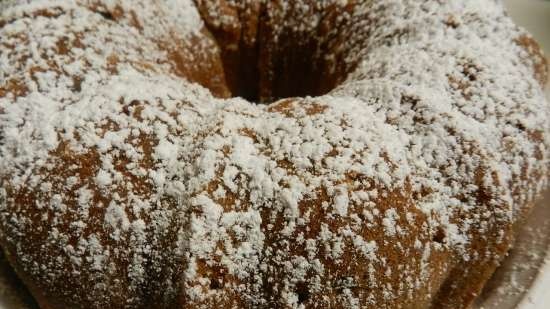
<point>266,153</point>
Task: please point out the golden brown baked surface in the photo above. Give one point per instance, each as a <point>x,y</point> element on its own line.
<point>400,144</point>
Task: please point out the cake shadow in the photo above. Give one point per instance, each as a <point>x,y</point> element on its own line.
<point>13,294</point>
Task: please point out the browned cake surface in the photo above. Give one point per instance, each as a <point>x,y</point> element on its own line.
<point>400,145</point>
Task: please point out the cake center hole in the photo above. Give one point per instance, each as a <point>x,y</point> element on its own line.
<point>266,74</point>
<point>290,64</point>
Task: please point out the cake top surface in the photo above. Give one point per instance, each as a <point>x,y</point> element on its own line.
<point>440,132</point>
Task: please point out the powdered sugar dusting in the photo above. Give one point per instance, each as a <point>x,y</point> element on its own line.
<point>126,184</point>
